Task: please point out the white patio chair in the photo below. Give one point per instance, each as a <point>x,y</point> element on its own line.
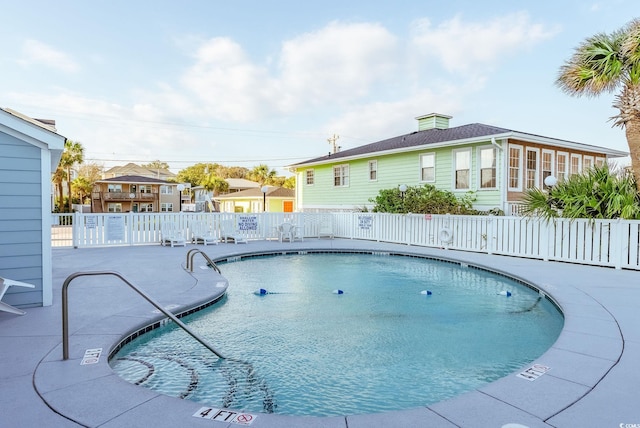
<point>286,231</point>
<point>229,231</point>
<point>170,234</point>
<point>200,232</point>
<point>4,286</point>
<point>325,228</point>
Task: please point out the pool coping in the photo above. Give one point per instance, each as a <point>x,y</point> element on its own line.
<point>590,346</point>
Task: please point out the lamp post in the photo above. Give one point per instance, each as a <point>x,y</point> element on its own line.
<point>403,190</point>
<point>180,189</point>
<point>550,181</point>
<point>264,197</point>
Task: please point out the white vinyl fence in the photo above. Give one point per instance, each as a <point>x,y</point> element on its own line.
<point>613,243</point>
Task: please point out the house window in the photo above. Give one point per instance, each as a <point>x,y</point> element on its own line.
<point>166,207</point>
<point>145,188</point>
<point>114,188</point>
<point>462,159</point>
<point>532,168</point>
<point>166,190</point>
<point>547,164</point>
<point>310,175</point>
<point>515,167</point>
<point>373,170</point>
<point>600,162</point>
<point>574,167</point>
<point>145,208</point>
<point>428,167</point>
<point>587,163</point>
<point>488,168</point>
<point>561,166</point>
<point>114,207</point>
<point>341,175</point>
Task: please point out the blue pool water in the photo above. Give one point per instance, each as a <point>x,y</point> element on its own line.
<point>382,345</point>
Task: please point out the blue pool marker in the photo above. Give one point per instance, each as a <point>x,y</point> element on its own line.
<point>505,293</point>
<point>260,292</point>
<point>426,292</point>
<point>338,292</point>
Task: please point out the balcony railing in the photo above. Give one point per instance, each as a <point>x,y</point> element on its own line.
<point>125,196</point>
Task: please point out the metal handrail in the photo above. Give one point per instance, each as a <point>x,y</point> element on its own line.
<point>65,311</point>
<point>192,253</point>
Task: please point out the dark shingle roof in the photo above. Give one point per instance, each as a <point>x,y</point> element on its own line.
<point>417,138</point>
<point>134,179</point>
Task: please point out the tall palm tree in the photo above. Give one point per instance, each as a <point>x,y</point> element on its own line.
<point>608,63</point>
<point>72,154</point>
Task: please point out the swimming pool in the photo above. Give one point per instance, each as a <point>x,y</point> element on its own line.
<point>384,344</point>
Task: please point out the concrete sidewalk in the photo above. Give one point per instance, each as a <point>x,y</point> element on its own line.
<point>593,379</point>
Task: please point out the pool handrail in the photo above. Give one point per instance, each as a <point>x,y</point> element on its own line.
<point>191,254</point>
<point>65,311</point>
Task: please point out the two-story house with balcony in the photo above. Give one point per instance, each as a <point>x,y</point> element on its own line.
<point>132,193</point>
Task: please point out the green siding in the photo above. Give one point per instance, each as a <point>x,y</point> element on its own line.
<point>393,170</point>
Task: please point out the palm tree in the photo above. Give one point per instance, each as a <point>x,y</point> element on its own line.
<point>72,154</point>
<point>262,174</point>
<point>608,63</point>
<point>598,193</point>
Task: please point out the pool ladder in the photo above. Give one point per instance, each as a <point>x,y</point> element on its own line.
<point>192,253</point>
<point>65,308</point>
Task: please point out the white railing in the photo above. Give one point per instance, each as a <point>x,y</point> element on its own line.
<point>613,243</point>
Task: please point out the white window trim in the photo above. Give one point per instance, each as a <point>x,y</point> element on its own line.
<point>166,205</point>
<point>553,163</point>
<point>520,170</point>
<point>591,158</point>
<point>341,166</point>
<point>579,158</point>
<point>166,190</point>
<point>373,162</point>
<point>422,155</point>
<point>479,163</point>
<point>454,154</point>
<point>306,177</point>
<point>536,179</point>
<point>566,165</point>
<point>601,160</point>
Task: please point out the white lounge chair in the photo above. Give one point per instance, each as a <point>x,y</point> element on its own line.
<point>200,232</point>
<point>4,286</point>
<point>170,234</point>
<point>229,231</point>
<point>325,228</point>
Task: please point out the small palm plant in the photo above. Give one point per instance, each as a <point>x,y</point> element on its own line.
<point>598,193</point>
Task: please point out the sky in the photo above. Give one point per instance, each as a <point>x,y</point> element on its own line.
<point>243,83</point>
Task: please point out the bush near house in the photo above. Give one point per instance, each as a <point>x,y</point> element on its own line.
<point>425,199</point>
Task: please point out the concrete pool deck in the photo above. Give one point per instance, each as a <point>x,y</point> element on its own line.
<point>593,379</point>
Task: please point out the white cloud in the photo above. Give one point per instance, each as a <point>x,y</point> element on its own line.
<point>462,46</point>
<point>38,53</point>
<point>338,63</point>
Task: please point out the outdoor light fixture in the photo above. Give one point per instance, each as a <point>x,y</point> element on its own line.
<point>264,197</point>
<point>550,181</point>
<point>180,189</point>
<point>403,189</point>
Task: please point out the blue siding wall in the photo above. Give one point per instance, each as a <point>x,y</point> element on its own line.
<point>21,219</point>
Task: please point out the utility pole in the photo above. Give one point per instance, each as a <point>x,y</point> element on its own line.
<point>332,140</point>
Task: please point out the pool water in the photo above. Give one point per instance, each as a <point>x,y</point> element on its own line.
<point>384,344</point>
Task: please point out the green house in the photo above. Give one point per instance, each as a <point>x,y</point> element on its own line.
<point>496,164</point>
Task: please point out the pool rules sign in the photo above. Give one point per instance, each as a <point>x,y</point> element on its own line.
<point>224,415</point>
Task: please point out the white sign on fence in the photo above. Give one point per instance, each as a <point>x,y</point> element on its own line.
<point>248,222</point>
<point>115,228</point>
<point>365,222</point>
<point>90,222</point>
